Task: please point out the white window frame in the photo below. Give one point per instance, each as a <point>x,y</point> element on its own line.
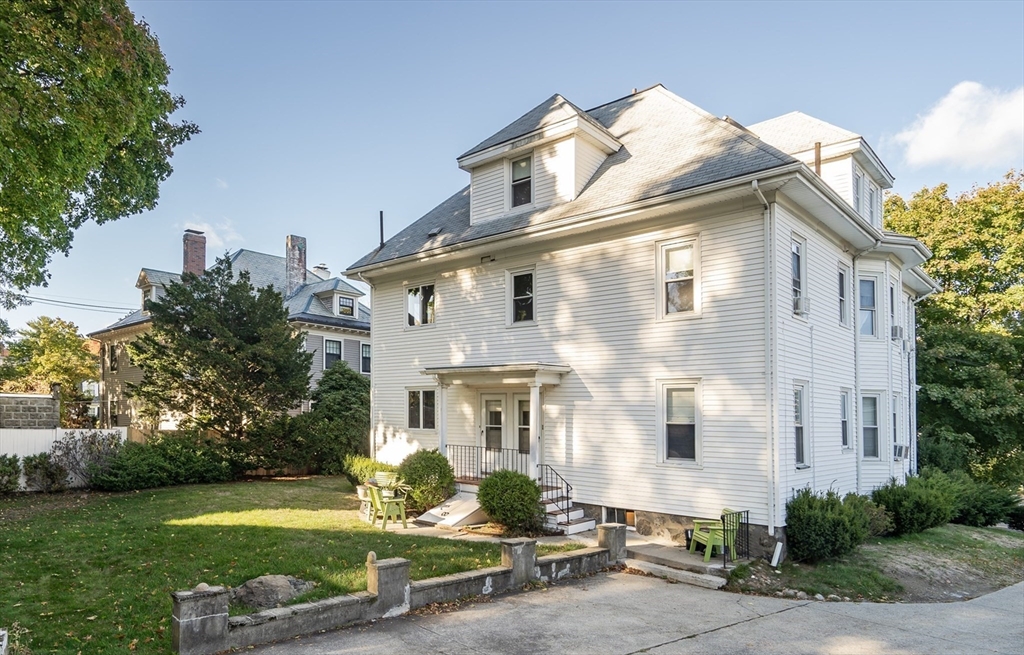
<point>363,345</point>
<point>895,413</point>
<point>877,426</point>
<point>405,408</point>
<point>338,306</point>
<point>801,439</point>
<point>844,420</point>
<point>894,316</point>
<point>661,406</point>
<point>873,204</point>
<point>510,275</point>
<point>341,352</point>
<point>798,246</point>
<point>660,255</point>
<point>846,295</point>
<point>508,181</point>
<point>858,188</point>
<point>405,305</point>
<point>874,309</point>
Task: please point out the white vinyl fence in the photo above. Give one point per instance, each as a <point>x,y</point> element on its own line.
<point>22,442</point>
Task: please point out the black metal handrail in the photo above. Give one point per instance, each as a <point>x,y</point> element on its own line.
<point>735,536</point>
<point>477,462</point>
<point>551,479</point>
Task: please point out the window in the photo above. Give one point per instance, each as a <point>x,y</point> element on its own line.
<point>113,357</point>
<point>867,307</point>
<point>798,266</point>
<point>869,413</point>
<point>895,419</point>
<point>844,418</point>
<point>522,184</point>
<point>844,304</point>
<point>872,210</point>
<point>421,409</point>
<point>799,434</point>
<point>522,297</point>
<point>346,306</point>
<point>679,274</point>
<point>619,515</point>
<point>679,426</point>
<point>364,363</point>
<point>420,303</point>
<point>857,182</point>
<point>332,353</point>
<point>892,305</point>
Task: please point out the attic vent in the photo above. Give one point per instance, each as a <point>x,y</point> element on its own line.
<point>434,232</point>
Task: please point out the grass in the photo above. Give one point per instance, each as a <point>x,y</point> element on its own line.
<point>551,549</point>
<point>91,573</point>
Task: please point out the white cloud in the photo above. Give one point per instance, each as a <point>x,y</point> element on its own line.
<point>217,237</point>
<point>972,127</point>
<point>221,184</point>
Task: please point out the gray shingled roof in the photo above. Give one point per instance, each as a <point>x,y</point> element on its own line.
<point>669,145</point>
<point>797,132</point>
<point>553,110</point>
<point>162,278</point>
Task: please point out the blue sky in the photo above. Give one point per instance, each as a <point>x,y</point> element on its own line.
<point>316,115</point>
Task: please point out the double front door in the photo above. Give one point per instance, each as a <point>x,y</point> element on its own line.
<point>505,430</point>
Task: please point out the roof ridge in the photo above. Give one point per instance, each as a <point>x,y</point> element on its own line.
<point>629,95</point>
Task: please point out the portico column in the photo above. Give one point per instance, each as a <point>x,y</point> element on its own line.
<point>535,428</point>
<point>442,417</point>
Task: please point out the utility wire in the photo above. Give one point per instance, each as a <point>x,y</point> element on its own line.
<point>84,307</point>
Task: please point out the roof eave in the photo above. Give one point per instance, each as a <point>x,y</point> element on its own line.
<point>532,139</point>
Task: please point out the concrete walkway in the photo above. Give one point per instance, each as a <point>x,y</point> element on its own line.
<point>623,614</point>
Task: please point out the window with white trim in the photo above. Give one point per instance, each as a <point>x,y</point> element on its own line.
<point>364,358</point>
<point>421,409</point>
<point>799,421</point>
<point>679,278</point>
<point>844,418</point>
<point>332,353</point>
<point>844,296</point>
<point>679,423</point>
<point>869,425</point>
<point>346,306</point>
<point>892,305</point>
<point>896,432</point>
<point>522,297</point>
<point>522,181</point>
<point>797,265</point>
<point>857,183</point>
<point>873,204</point>
<point>420,303</point>
<point>868,305</point>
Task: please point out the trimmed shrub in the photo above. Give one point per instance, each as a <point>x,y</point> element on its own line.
<point>84,453</point>
<point>824,526</point>
<point>430,477</point>
<point>1016,518</point>
<point>877,520</point>
<point>358,468</point>
<point>163,462</point>
<point>918,505</point>
<point>975,503</point>
<point>513,500</point>
<point>10,473</point>
<point>44,474</point>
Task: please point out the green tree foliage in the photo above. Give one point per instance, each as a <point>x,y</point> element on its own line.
<point>50,351</point>
<point>339,422</point>
<point>970,350</point>
<point>84,127</point>
<point>221,354</point>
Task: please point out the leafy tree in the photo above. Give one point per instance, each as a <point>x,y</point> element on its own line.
<point>84,127</point>
<point>339,422</point>
<point>970,350</point>
<point>51,351</point>
<point>221,354</point>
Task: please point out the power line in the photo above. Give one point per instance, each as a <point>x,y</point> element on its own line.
<point>78,304</point>
<point>83,307</point>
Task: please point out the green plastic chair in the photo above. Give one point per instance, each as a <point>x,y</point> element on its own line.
<point>713,535</point>
<point>386,508</point>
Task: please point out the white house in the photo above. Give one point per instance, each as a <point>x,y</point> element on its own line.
<point>673,312</point>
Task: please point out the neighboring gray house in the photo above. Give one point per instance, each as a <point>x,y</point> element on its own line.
<point>325,308</point>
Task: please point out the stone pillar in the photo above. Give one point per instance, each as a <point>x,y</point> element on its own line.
<point>199,621</point>
<point>388,579</point>
<point>521,556</point>
<point>613,537</point>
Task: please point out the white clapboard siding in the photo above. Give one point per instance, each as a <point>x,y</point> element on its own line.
<point>553,166</point>
<point>487,191</point>
<point>588,159</point>
<point>838,174</point>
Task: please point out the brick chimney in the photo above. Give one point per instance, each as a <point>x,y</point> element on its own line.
<point>295,263</point>
<point>193,252</point>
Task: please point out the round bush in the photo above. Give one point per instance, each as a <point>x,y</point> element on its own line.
<point>823,526</point>
<point>431,478</point>
<point>918,505</point>
<point>513,500</point>
<point>42,473</point>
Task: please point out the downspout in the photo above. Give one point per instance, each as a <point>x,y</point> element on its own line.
<point>373,350</point>
<point>855,318</point>
<point>769,379</point>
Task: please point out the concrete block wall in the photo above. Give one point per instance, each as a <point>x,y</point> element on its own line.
<point>200,624</point>
<point>29,411</point>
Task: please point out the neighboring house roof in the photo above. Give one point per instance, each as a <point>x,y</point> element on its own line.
<point>269,270</point>
<point>669,145</point>
<point>797,132</point>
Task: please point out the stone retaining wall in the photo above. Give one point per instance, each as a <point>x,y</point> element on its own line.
<point>29,411</point>
<point>200,624</point>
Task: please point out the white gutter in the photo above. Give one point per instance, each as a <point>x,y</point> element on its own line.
<point>769,361</point>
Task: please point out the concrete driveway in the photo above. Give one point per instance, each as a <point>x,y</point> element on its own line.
<point>621,613</point>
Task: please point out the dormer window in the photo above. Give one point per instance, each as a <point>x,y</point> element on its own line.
<point>346,306</point>
<point>522,181</point>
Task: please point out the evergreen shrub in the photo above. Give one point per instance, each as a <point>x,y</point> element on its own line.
<point>430,477</point>
<point>42,473</point>
<point>513,500</point>
<point>10,473</point>
<point>822,526</point>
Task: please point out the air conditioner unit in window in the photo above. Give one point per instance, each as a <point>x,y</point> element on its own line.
<point>897,332</point>
<point>801,306</point>
<point>899,451</point>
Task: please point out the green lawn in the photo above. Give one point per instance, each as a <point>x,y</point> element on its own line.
<point>91,573</point>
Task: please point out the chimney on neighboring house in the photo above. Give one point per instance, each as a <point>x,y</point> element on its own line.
<point>322,271</point>
<point>295,263</point>
<point>193,252</point>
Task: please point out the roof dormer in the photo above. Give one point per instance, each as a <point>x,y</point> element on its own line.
<point>543,158</point>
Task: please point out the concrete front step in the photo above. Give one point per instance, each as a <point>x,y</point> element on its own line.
<point>676,557</point>
<point>688,577</point>
<point>572,527</point>
<point>559,516</point>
